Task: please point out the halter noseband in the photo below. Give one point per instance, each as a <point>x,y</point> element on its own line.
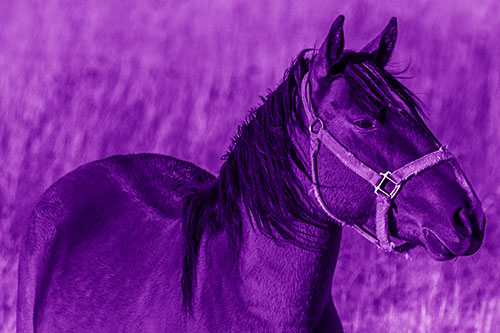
<point>387,184</point>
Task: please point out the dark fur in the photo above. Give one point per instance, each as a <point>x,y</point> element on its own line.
<point>260,167</point>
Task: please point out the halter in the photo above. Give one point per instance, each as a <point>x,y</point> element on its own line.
<point>386,184</point>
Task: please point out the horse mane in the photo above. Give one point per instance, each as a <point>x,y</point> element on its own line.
<point>375,89</point>
<point>260,168</point>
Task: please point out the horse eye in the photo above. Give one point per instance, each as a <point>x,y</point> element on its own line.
<point>364,124</point>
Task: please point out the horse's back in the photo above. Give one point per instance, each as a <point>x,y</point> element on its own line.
<point>103,248</point>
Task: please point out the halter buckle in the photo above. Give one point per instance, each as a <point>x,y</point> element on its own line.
<point>381,186</point>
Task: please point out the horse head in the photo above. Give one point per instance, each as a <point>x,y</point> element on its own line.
<point>374,126</point>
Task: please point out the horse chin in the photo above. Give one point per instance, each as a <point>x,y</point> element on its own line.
<point>436,249</point>
<point>441,256</point>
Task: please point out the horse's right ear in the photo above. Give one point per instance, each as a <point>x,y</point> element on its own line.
<point>330,51</point>
<point>383,45</point>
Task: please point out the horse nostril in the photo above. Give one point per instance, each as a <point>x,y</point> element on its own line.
<point>462,222</point>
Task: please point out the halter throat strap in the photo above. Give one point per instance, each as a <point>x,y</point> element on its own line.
<point>386,184</point>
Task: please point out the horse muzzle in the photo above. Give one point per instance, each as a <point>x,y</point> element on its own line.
<point>462,239</point>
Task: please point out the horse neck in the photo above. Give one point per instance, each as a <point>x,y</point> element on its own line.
<point>280,283</point>
<point>284,281</point>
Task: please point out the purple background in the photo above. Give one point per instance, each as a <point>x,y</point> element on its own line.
<point>80,81</point>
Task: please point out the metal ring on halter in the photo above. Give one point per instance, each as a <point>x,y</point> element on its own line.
<point>313,125</point>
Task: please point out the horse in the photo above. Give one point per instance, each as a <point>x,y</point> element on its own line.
<point>151,243</point>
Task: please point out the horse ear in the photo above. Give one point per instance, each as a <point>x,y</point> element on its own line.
<point>383,45</point>
<point>331,49</point>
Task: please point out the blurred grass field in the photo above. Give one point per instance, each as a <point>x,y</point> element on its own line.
<point>80,81</point>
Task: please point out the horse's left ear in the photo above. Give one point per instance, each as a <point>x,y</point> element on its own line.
<point>383,45</point>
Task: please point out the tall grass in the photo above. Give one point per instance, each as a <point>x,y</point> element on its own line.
<point>80,81</point>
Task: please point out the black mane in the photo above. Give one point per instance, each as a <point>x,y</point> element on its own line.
<point>260,168</point>
<point>375,89</point>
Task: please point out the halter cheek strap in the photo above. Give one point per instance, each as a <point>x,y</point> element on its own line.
<point>386,184</point>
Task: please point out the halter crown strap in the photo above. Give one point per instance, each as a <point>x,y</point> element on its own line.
<point>379,180</point>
